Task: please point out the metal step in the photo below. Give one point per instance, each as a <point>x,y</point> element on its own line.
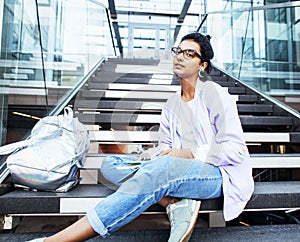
<point>267,196</point>
<point>103,105</point>
<point>152,136</point>
<point>144,119</point>
<point>93,161</point>
<point>153,95</point>
<point>142,83</point>
<point>131,61</point>
<point>139,78</point>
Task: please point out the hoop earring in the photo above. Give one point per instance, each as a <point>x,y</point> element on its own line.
<point>202,74</point>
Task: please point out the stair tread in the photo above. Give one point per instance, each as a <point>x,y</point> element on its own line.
<point>266,195</point>
<point>152,136</point>
<point>129,118</point>
<point>150,106</point>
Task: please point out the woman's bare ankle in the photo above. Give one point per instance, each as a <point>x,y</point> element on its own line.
<point>165,201</point>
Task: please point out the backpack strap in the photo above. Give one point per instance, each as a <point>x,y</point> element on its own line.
<point>7,149</point>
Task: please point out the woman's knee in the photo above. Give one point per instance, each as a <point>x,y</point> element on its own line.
<point>109,170</point>
<point>106,166</point>
<point>116,170</point>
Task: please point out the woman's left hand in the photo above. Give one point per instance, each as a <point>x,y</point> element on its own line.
<point>181,153</point>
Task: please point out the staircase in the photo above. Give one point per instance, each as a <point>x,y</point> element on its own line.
<point>121,105</point>
<point>125,96</point>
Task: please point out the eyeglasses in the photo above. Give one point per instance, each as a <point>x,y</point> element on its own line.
<point>187,54</point>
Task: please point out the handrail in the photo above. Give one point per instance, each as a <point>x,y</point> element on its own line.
<point>98,3</point>
<point>42,54</point>
<point>110,30</point>
<point>109,22</point>
<point>69,95</point>
<point>202,22</point>
<point>243,46</point>
<point>58,108</point>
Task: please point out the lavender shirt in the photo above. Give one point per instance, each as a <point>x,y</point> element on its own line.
<point>218,139</point>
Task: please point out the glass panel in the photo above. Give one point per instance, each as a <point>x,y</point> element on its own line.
<point>156,5</point>
<point>155,14</point>
<point>143,42</point>
<point>74,35</point>
<point>151,41</point>
<point>265,47</point>
<point>21,67</point>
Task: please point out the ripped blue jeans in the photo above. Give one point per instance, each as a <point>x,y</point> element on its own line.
<point>139,188</point>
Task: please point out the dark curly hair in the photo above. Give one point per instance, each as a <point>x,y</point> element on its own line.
<point>206,49</point>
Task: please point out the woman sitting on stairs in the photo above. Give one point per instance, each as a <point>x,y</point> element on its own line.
<point>201,155</point>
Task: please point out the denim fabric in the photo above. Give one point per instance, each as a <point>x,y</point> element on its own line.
<point>163,176</point>
<point>119,168</point>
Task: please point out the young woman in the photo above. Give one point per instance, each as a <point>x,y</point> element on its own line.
<point>201,155</point>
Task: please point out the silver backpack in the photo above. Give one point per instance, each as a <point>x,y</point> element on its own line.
<point>49,159</point>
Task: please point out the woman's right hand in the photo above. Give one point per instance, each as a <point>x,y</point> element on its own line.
<point>181,153</point>
<point>150,154</point>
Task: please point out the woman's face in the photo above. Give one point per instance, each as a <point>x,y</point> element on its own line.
<point>187,68</point>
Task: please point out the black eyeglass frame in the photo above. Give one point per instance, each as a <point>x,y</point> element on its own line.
<point>177,50</point>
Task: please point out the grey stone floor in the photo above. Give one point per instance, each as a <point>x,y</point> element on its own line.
<point>265,233</point>
<point>157,230</point>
